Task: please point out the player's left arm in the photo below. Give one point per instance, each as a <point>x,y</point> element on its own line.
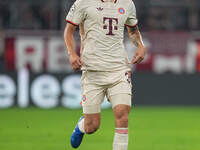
<point>136,39</point>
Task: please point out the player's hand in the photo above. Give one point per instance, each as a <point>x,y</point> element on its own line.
<point>139,55</point>
<point>75,61</point>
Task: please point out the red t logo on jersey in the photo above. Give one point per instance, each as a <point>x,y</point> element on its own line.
<point>110,25</point>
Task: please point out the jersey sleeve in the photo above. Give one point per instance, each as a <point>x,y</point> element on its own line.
<point>132,19</point>
<point>76,14</point>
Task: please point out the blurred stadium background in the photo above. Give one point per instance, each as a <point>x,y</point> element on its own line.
<point>40,93</point>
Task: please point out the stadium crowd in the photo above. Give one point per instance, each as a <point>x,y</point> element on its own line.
<point>50,14</point>
<point>30,14</point>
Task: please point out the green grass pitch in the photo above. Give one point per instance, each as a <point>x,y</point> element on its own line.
<point>150,128</point>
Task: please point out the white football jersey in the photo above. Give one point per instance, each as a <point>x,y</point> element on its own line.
<point>103,22</point>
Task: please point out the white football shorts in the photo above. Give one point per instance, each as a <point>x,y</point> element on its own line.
<point>116,86</point>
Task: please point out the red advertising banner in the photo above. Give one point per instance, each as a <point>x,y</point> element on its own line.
<point>176,52</point>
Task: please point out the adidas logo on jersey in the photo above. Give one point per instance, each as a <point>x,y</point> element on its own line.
<point>99,8</point>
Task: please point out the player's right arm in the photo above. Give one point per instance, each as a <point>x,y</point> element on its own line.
<point>74,59</point>
<point>74,18</point>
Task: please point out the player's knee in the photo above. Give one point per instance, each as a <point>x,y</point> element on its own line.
<point>122,120</point>
<point>121,113</point>
<point>91,127</point>
<point>91,130</point>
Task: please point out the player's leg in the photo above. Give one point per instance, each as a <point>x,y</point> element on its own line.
<point>121,113</point>
<point>91,123</point>
<point>91,104</point>
<point>92,97</point>
<point>120,96</point>
<point>88,124</point>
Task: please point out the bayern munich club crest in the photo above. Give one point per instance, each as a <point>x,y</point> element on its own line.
<point>121,10</point>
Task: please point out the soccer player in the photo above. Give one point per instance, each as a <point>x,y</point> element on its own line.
<point>104,63</point>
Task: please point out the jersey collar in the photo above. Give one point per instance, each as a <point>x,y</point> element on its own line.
<point>115,1</point>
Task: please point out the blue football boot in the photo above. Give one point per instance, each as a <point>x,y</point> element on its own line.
<point>77,136</point>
